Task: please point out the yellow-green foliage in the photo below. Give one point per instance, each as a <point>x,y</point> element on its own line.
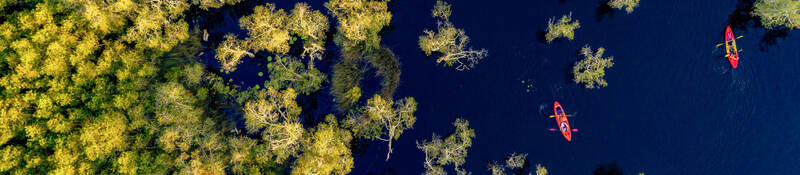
<point>515,162</point>
<point>267,29</point>
<point>451,42</point>
<point>592,68</point>
<point>208,4</point>
<point>271,30</point>
<point>393,118</point>
<point>98,87</point>
<point>326,150</point>
<point>450,151</point>
<point>627,4</point>
<point>95,87</point>
<point>778,13</point>
<point>346,85</point>
<point>278,114</point>
<point>291,73</point>
<point>352,95</point>
<point>441,10</point>
<point>9,157</point>
<point>231,51</point>
<point>307,23</point>
<point>360,21</point>
<point>111,128</point>
<point>564,27</point>
<point>497,169</point>
<point>159,24</point>
<point>311,26</point>
<point>541,170</point>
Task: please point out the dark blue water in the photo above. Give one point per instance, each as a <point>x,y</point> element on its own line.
<point>673,104</point>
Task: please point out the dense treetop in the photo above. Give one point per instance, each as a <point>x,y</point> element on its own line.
<point>96,87</point>
<point>272,30</point>
<point>360,21</point>
<point>778,13</point>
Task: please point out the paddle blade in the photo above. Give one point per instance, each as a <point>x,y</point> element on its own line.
<point>574,130</point>
<point>552,129</point>
<point>551,116</point>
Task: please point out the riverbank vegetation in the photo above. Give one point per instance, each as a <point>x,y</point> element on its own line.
<point>778,13</point>
<point>628,5</point>
<point>97,87</point>
<point>449,41</point>
<point>591,70</point>
<point>450,151</point>
<point>117,87</point>
<point>564,27</point>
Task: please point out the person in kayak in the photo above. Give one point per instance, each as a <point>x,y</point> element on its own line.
<point>731,50</point>
<point>559,111</point>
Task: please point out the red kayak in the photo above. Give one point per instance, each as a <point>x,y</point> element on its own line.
<point>561,120</point>
<point>730,47</point>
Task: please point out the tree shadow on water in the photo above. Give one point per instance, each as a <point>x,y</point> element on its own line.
<point>604,9</point>
<point>771,38</point>
<point>608,169</point>
<point>741,18</point>
<point>540,36</point>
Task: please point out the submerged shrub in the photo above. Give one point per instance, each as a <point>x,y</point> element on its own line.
<point>592,68</point>
<point>564,27</point>
<point>627,4</point>
<point>450,41</point>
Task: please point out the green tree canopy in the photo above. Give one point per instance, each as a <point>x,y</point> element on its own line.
<point>312,27</point>
<point>515,163</point>
<point>360,21</point>
<point>291,73</point>
<point>541,170</point>
<point>592,68</point>
<point>231,51</point>
<point>270,29</point>
<point>627,4</point>
<point>209,4</point>
<point>564,27</point>
<point>393,118</point>
<point>326,150</point>
<point>450,151</point>
<point>778,13</point>
<point>267,29</point>
<point>278,114</point>
<point>451,42</point>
